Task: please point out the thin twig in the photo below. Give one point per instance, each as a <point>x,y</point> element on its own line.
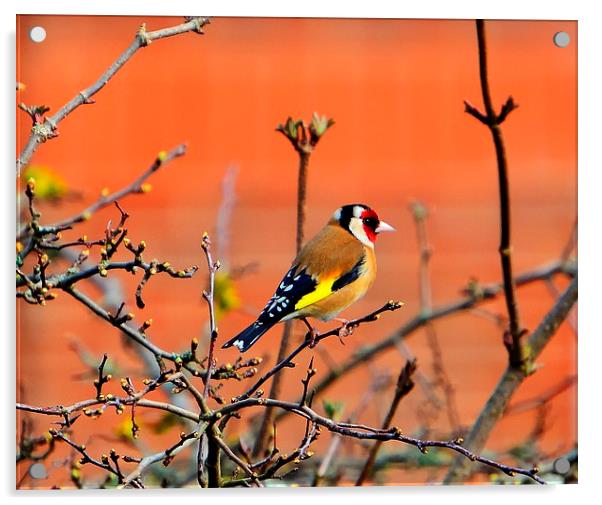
<point>166,456</point>
<point>420,214</point>
<point>86,458</point>
<point>48,127</point>
<point>102,378</point>
<point>404,385</point>
<point>542,398</point>
<point>361,432</point>
<point>208,451</point>
<point>493,121</point>
<point>379,383</point>
<point>208,296</point>
<point>132,333</point>
<point>136,186</point>
<point>238,461</point>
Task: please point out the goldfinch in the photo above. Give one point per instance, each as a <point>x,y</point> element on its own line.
<point>331,272</point>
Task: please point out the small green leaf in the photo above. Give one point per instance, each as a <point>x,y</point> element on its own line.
<point>319,124</point>
<point>333,408</point>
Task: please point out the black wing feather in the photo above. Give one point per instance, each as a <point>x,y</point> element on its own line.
<point>350,276</point>
<point>294,286</point>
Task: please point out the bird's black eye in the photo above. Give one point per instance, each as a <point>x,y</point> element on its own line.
<point>370,222</point>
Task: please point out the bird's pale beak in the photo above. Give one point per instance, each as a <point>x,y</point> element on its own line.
<point>382,226</point>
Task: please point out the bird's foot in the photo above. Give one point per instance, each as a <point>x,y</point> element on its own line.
<point>345,330</point>
<point>312,334</point>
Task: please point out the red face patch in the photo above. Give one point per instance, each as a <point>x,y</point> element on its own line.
<point>370,222</point>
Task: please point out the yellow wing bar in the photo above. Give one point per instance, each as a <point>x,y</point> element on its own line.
<point>322,290</point>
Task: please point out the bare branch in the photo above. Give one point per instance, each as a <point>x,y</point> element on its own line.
<point>166,456</point>
<point>40,133</point>
<point>512,379</point>
<point>493,121</point>
<point>208,296</point>
<point>136,186</point>
<point>420,214</point>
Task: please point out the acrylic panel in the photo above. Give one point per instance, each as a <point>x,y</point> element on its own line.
<point>170,169</point>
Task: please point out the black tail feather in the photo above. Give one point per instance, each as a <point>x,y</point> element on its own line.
<point>246,338</point>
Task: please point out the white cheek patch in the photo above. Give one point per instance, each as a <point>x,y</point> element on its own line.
<point>357,228</point>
